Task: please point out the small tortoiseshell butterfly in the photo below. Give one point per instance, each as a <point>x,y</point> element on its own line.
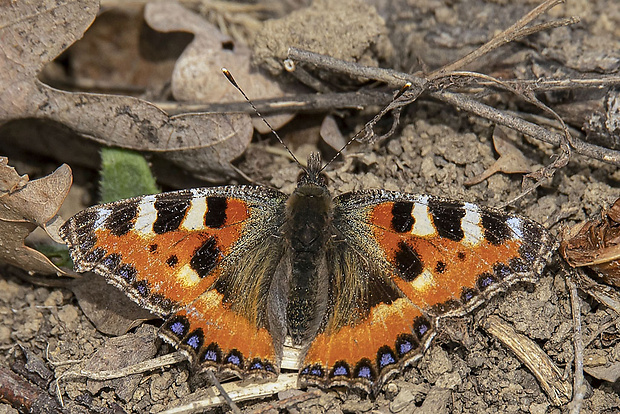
<point>360,281</point>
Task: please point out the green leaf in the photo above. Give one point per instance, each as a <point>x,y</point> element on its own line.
<point>124,174</point>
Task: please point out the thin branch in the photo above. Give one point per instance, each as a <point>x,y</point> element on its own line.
<point>578,386</point>
<point>462,102</point>
<point>216,383</point>
<point>297,103</point>
<point>306,78</point>
<point>389,76</point>
<point>535,359</point>
<point>238,392</point>
<point>500,117</point>
<point>544,85</point>
<point>554,24</point>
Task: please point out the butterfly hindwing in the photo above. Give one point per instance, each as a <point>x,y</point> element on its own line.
<point>403,261</point>
<point>185,256</point>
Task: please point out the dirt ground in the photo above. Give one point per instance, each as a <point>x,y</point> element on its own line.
<point>434,151</point>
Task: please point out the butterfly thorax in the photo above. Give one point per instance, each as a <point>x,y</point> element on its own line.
<point>309,219</point>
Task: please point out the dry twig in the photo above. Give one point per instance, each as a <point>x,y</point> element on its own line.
<point>23,395</point>
<point>223,393</point>
<point>431,85</point>
<point>578,385</point>
<point>528,352</point>
<point>238,392</point>
<point>465,103</point>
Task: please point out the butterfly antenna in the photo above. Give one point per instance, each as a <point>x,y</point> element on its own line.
<point>230,78</point>
<point>363,130</point>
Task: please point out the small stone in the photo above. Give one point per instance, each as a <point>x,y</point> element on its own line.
<point>68,315</point>
<point>391,390</point>
<point>55,298</point>
<point>540,408</point>
<point>31,326</point>
<point>446,15</point>
<point>160,385</point>
<point>5,334</point>
<point>394,147</point>
<point>8,291</point>
<point>181,377</point>
<point>449,380</point>
<point>402,401</point>
<point>436,363</point>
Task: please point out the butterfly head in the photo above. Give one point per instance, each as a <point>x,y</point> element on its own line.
<point>312,175</point>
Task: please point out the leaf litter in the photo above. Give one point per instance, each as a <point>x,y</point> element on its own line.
<point>24,206</point>
<point>193,77</point>
<point>211,140</point>
<point>511,160</point>
<point>596,244</point>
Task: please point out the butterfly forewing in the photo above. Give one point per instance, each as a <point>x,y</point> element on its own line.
<point>186,256</point>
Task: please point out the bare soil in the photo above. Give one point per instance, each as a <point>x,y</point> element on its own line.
<point>435,150</point>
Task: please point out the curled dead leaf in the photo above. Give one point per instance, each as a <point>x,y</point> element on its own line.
<point>511,160</point>
<point>596,244</point>
<point>197,75</point>
<point>111,313</point>
<point>40,31</point>
<point>33,205</point>
<point>331,133</point>
<point>10,180</point>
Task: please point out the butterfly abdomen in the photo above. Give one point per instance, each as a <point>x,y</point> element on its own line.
<point>309,210</point>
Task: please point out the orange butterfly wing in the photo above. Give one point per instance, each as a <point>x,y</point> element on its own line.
<point>401,262</point>
<point>184,256</point>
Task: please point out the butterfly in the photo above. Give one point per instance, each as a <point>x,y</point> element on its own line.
<point>360,282</point>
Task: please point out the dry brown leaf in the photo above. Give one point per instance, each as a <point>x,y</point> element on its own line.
<point>120,51</point>
<point>118,353</point>
<point>109,310</point>
<point>197,76</point>
<point>511,160</point>
<point>10,180</point>
<point>608,372</point>
<point>331,133</point>
<point>39,31</point>
<point>596,244</point>
<point>33,205</point>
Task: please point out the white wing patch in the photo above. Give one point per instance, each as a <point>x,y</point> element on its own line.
<point>471,225</point>
<point>146,216</point>
<point>187,276</point>
<point>423,225</point>
<point>102,215</point>
<point>424,281</point>
<point>516,226</point>
<point>195,217</point>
